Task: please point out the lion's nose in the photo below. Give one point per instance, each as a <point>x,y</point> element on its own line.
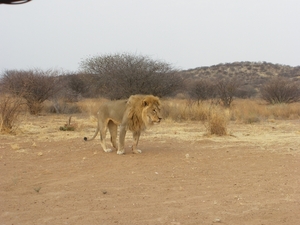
<point>159,119</point>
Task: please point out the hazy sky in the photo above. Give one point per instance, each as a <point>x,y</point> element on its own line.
<point>60,34</point>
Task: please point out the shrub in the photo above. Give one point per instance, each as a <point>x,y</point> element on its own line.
<point>61,107</point>
<point>227,89</point>
<point>35,86</point>
<point>280,90</point>
<point>121,75</point>
<point>201,90</point>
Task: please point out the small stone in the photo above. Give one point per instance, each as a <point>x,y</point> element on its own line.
<point>15,146</point>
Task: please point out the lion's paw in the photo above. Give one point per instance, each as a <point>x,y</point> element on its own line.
<point>119,152</point>
<point>137,151</point>
<point>108,150</point>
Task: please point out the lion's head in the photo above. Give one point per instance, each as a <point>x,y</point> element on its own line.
<point>144,110</point>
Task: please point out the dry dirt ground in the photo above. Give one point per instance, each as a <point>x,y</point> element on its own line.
<point>182,177</point>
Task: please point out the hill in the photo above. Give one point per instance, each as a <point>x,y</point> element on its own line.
<point>251,73</point>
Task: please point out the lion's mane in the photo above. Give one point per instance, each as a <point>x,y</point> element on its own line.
<point>137,114</point>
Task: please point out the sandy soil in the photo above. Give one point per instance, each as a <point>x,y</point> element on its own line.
<point>182,177</point>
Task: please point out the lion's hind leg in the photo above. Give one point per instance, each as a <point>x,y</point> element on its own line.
<point>103,129</point>
<point>113,130</point>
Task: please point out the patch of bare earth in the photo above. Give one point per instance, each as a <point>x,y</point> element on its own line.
<point>182,177</point>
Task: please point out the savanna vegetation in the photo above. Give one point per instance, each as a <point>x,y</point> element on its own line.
<point>243,92</point>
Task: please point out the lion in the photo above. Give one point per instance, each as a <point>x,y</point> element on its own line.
<point>135,114</point>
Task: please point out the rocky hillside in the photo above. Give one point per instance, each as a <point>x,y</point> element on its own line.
<point>250,73</point>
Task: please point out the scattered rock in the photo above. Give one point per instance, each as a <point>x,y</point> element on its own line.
<point>37,189</point>
<point>15,146</point>
<point>217,220</point>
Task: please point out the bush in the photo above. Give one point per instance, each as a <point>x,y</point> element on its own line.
<point>35,86</point>
<point>201,90</point>
<point>121,75</point>
<point>227,89</point>
<point>280,90</point>
<point>61,106</point>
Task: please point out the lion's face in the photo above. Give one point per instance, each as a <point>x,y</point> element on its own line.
<point>151,111</point>
<point>153,114</point>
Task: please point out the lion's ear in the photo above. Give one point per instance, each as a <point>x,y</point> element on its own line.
<point>145,103</point>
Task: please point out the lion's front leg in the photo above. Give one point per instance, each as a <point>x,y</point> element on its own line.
<point>136,136</point>
<point>121,149</point>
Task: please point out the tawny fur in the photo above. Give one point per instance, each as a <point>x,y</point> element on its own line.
<point>134,114</point>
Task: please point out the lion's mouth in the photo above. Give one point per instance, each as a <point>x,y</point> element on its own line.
<point>156,121</point>
<point>151,121</point>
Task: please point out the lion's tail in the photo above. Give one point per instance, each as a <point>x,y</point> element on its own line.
<point>96,132</point>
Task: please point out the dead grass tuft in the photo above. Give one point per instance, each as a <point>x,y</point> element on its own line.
<point>217,121</point>
<point>10,108</point>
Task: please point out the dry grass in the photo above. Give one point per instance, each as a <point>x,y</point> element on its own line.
<point>10,108</point>
<point>250,111</point>
<point>242,110</point>
<point>181,110</point>
<point>214,117</point>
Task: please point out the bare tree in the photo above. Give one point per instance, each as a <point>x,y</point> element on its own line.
<point>246,91</point>
<point>35,86</point>
<point>227,90</point>
<point>280,90</point>
<point>201,90</point>
<point>76,84</point>
<point>121,75</point>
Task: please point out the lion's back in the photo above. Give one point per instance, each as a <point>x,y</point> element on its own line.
<point>113,109</point>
